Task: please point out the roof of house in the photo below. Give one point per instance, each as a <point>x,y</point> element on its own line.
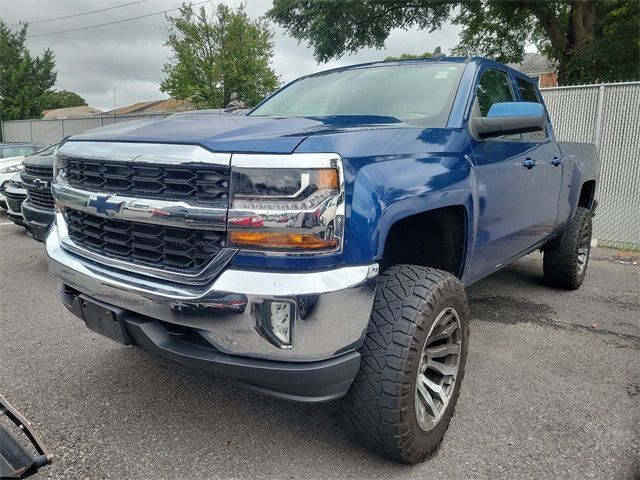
<point>534,64</point>
<point>154,106</point>
<point>70,112</point>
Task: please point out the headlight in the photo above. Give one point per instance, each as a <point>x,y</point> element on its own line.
<point>12,169</point>
<point>296,204</point>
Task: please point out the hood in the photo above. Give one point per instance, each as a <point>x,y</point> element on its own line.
<point>15,183</point>
<point>10,161</point>
<point>10,165</point>
<point>234,133</point>
<point>38,161</point>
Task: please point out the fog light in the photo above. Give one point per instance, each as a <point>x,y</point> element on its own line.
<point>277,323</point>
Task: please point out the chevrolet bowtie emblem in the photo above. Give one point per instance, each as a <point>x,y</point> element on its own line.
<point>42,184</point>
<point>103,205</point>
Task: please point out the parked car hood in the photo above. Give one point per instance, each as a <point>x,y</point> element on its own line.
<point>15,184</point>
<point>39,161</point>
<point>10,161</point>
<point>234,133</point>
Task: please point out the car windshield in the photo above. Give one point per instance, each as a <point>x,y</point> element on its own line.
<point>415,93</point>
<point>16,151</point>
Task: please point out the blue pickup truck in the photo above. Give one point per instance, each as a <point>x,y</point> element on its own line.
<point>318,246</point>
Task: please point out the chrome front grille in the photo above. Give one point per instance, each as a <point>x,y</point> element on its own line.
<point>36,179</point>
<point>159,246</point>
<point>41,199</point>
<point>148,180</point>
<point>14,201</point>
<point>39,171</point>
<point>155,210</point>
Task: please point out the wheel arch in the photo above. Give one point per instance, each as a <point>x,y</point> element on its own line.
<point>587,194</point>
<point>447,227</point>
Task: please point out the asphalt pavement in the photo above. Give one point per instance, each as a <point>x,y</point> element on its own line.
<point>552,390</point>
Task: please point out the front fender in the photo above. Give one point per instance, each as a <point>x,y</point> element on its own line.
<point>386,192</point>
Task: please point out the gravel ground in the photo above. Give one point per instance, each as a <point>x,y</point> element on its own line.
<point>552,389</point>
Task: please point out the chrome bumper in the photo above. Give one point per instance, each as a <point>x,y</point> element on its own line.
<point>332,308</point>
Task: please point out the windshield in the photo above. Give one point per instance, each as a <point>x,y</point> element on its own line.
<point>417,93</point>
<point>17,151</point>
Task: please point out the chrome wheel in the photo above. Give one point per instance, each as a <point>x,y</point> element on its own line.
<point>438,368</point>
<point>583,250</point>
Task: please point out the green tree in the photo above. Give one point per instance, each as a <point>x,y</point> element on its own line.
<point>594,40</point>
<point>25,80</point>
<point>409,56</point>
<point>62,99</point>
<point>219,58</point>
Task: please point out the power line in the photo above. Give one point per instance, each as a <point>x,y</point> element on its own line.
<point>80,14</point>
<point>113,23</point>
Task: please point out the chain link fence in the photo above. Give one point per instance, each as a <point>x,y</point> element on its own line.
<point>51,131</point>
<point>606,114</point>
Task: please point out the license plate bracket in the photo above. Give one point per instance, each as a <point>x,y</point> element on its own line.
<point>104,320</point>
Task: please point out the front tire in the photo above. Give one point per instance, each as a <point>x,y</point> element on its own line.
<point>413,360</point>
<point>565,259</point>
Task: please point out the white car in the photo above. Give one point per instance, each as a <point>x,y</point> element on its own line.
<point>15,195</point>
<point>8,167</point>
<point>11,165</point>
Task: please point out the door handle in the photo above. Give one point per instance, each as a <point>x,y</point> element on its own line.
<point>529,163</point>
<point>556,161</point>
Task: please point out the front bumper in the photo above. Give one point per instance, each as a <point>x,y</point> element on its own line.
<point>310,382</point>
<point>16,217</point>
<point>15,197</point>
<point>37,220</point>
<point>4,183</point>
<point>332,310</point>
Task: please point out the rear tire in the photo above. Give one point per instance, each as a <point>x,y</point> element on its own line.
<point>413,360</point>
<point>566,259</point>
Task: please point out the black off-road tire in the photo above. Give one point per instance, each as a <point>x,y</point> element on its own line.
<point>380,406</point>
<point>561,256</point>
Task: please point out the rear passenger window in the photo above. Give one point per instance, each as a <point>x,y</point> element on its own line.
<point>530,94</point>
<point>527,90</point>
<point>493,88</point>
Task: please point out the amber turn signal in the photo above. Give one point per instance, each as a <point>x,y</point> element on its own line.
<point>326,178</point>
<point>281,240</point>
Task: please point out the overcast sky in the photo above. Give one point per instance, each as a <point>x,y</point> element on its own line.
<point>130,55</point>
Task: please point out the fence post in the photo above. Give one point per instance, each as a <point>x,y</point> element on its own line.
<point>62,125</point>
<point>599,109</point>
<point>31,130</point>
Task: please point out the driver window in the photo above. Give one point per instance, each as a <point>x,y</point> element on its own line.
<point>493,88</point>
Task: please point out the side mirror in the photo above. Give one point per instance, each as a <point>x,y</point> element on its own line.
<point>509,118</point>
